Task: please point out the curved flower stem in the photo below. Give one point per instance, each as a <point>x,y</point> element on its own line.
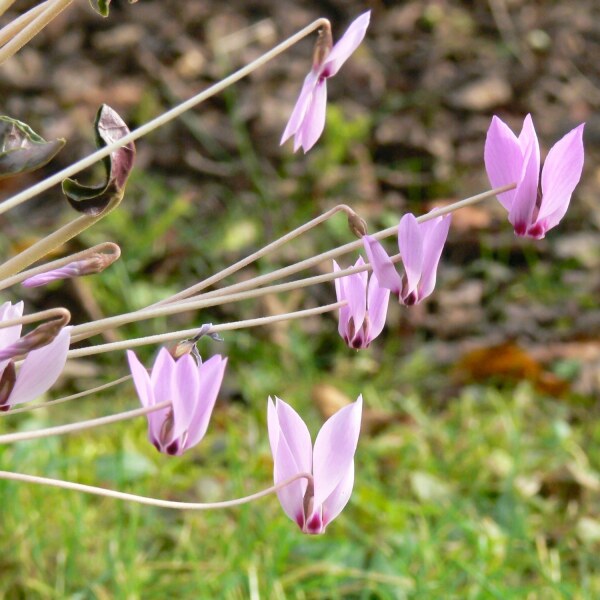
<point>22,436</point>
<point>244,291</point>
<point>186,333</point>
<point>351,246</point>
<point>104,248</point>
<point>5,5</point>
<point>51,242</point>
<point>99,388</point>
<point>98,491</point>
<point>32,28</point>
<point>11,29</point>
<point>45,315</point>
<point>171,114</point>
<point>194,289</point>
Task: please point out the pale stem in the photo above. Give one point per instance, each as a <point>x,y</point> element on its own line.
<point>99,388</point>
<point>9,31</point>
<point>32,29</point>
<point>256,255</point>
<point>243,291</point>
<point>5,5</point>
<point>351,246</point>
<point>44,315</point>
<point>98,491</point>
<point>49,243</point>
<point>186,333</point>
<point>104,248</point>
<point>160,120</point>
<point>22,436</point>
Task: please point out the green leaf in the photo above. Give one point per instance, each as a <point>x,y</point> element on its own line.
<point>101,7</point>
<point>22,149</point>
<point>94,199</point>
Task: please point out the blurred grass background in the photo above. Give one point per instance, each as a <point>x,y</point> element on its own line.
<point>478,470</point>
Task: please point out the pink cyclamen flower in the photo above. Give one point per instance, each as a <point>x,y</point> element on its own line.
<point>41,367</point>
<point>509,159</point>
<point>308,117</point>
<point>421,246</point>
<point>192,390</point>
<point>331,462</point>
<point>363,318</point>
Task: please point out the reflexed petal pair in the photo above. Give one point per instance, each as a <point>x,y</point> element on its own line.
<point>331,463</point>
<point>363,317</point>
<point>41,366</point>
<point>192,390</point>
<point>509,159</point>
<point>421,246</point>
<point>307,120</point>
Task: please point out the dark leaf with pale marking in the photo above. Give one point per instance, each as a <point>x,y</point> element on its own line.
<point>94,199</point>
<point>102,6</point>
<point>22,149</point>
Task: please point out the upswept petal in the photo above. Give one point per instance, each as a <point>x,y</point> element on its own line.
<point>377,305</point>
<point>382,265</point>
<point>141,379</point>
<point>184,394</point>
<point>314,119</point>
<point>9,335</point>
<point>339,497</point>
<point>41,369</point>
<point>301,106</point>
<point>434,235</point>
<point>561,173</point>
<point>163,376</point>
<point>503,159</point>
<point>291,496</point>
<point>296,434</point>
<point>344,311</point>
<point>347,44</point>
<point>355,292</point>
<point>410,242</point>
<point>210,377</point>
<point>334,450</point>
<point>520,213</point>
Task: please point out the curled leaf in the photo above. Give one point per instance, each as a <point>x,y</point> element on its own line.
<point>22,149</point>
<point>101,7</point>
<point>94,199</point>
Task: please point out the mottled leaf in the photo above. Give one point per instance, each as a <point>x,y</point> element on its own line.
<point>22,149</point>
<point>94,199</point>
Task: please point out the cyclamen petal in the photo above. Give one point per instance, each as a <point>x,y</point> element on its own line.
<point>192,390</point>
<point>532,211</point>
<point>331,463</point>
<point>40,369</point>
<point>362,319</point>
<point>420,246</point>
<point>307,120</point>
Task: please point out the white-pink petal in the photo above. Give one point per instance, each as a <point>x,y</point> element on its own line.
<point>334,450</point>
<point>314,120</point>
<point>503,159</point>
<point>41,368</point>
<point>410,242</point>
<point>347,44</point>
<point>435,233</point>
<point>561,173</point>
<point>382,265</point>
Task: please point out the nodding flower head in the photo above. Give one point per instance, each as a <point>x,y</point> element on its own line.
<point>191,387</point>
<point>314,504</point>
<point>533,210</point>
<point>46,350</point>
<point>307,120</point>
<point>362,319</point>
<point>421,246</point>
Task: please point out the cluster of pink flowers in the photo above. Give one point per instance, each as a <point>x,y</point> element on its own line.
<point>184,389</point>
